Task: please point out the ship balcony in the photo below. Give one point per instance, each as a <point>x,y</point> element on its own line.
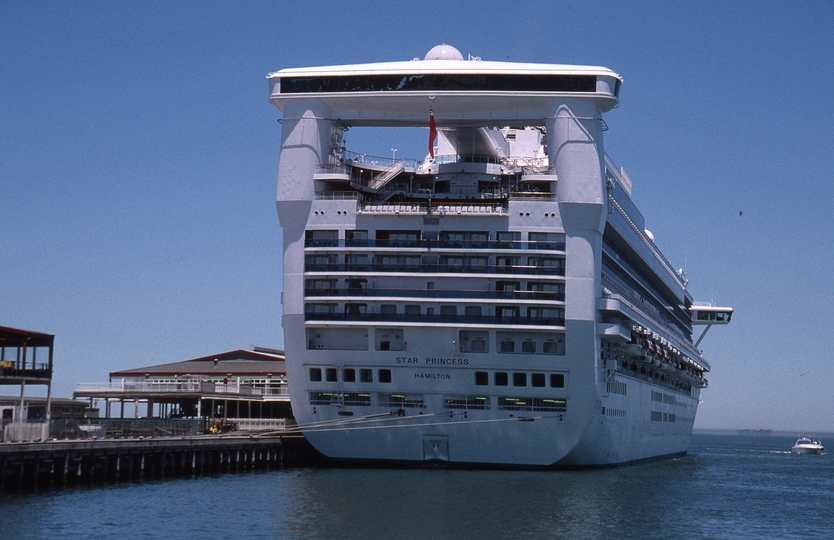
<point>426,244</point>
<point>425,318</point>
<point>336,268</point>
<point>614,329</point>
<point>547,296</point>
<point>332,173</point>
<point>538,175</point>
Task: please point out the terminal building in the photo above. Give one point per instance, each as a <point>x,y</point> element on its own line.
<point>246,387</point>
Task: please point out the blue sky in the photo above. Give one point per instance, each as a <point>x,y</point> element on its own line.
<point>138,156</point>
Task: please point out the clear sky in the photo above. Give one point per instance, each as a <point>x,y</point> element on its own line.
<point>138,157</point>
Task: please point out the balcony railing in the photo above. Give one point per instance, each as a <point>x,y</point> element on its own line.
<point>436,269</point>
<point>437,293</point>
<point>436,244</point>
<point>439,318</point>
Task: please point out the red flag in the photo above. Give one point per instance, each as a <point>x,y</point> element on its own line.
<point>432,132</point>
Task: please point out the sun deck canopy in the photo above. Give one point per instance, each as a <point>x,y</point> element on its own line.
<point>461,92</point>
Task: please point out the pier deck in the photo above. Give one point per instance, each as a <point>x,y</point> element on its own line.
<point>70,462</point>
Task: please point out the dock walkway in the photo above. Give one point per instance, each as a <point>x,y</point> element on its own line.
<point>72,462</point>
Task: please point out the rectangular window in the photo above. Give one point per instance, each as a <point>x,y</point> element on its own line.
<point>384,375</point>
<point>320,287</point>
<point>366,375</point>
<point>501,378</point>
<point>398,238</point>
<point>546,240</point>
<point>519,379</point>
<point>323,398</point>
<point>466,402</point>
<point>537,380</point>
<point>557,380</point>
<point>330,374</point>
<point>528,346</point>
<point>531,404</point>
<point>321,238</point>
<point>357,399</point>
<point>546,290</point>
<point>356,238</point>
<point>401,400</point>
<point>349,375</point>
<point>315,374</point>
<point>357,262</point>
<point>507,346</point>
<point>355,309</point>
<point>481,378</point>
<point>507,239</point>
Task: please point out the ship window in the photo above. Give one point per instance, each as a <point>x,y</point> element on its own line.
<point>472,311</point>
<point>388,309</point>
<point>557,380</point>
<point>401,400</point>
<point>356,238</point>
<point>508,345</point>
<point>449,311</point>
<point>412,309</point>
<point>466,402</point>
<point>544,240</point>
<point>357,399</point>
<point>507,239</point>
<point>319,263</point>
<point>519,379</point>
<point>356,261</point>
<point>349,375</point>
<point>315,374</point>
<point>481,378</point>
<point>537,380</point>
<point>504,265</point>
<point>546,290</point>
<point>330,374</point>
<point>355,309</point>
<point>366,375</point>
<point>497,82</point>
<point>356,284</point>
<point>320,287</point>
<point>528,346</point>
<point>384,375</point>
<point>398,238</point>
<point>321,238</point>
<point>476,264</point>
<point>473,341</point>
<point>501,378</point>
<point>556,347</point>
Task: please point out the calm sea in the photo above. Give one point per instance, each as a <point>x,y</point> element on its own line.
<point>727,487</point>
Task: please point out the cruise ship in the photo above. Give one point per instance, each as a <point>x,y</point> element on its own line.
<point>498,303</point>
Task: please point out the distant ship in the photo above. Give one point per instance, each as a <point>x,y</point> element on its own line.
<point>496,304</point>
<point>755,432</point>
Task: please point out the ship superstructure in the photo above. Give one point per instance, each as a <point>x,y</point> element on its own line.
<point>498,303</point>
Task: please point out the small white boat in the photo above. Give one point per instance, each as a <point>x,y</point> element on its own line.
<point>805,445</point>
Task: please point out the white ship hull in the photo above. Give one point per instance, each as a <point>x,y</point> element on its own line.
<point>464,310</point>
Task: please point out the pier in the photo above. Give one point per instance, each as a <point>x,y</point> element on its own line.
<point>78,462</point>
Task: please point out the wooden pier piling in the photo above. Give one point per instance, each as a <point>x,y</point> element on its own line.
<point>72,462</point>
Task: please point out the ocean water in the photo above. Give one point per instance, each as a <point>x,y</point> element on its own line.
<point>727,487</point>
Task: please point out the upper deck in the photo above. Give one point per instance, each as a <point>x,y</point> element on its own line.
<point>463,92</point>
